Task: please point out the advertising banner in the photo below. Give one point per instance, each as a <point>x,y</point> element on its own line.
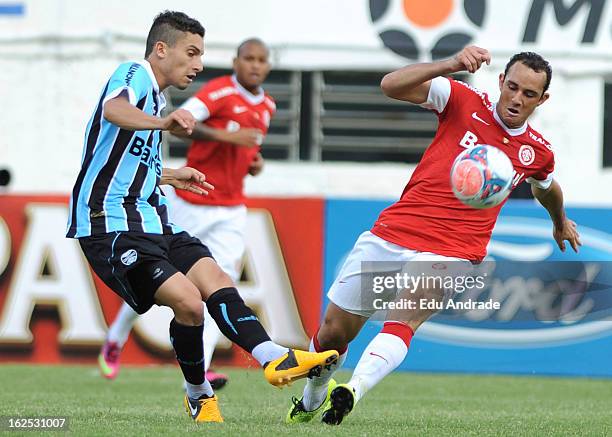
<point>54,309</point>
<point>551,314</point>
<point>538,311</point>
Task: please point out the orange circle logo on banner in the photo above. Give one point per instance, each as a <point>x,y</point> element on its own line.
<point>428,13</point>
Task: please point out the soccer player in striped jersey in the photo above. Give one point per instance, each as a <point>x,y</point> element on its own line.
<point>119,214</point>
<point>234,114</point>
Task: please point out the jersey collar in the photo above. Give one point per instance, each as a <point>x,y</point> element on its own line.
<point>513,132</point>
<point>147,66</point>
<point>253,99</point>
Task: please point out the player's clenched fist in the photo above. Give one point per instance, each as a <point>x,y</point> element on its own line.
<point>179,121</point>
<point>470,59</point>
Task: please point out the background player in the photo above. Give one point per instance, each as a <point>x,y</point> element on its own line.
<point>237,113</point>
<point>428,223</point>
<point>120,217</point>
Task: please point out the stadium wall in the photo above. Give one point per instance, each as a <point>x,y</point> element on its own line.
<point>58,53</point>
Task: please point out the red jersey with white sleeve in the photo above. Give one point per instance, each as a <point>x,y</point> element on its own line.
<point>225,104</point>
<point>428,217</point>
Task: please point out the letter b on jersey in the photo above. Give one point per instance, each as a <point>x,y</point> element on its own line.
<point>136,146</point>
<point>469,140</point>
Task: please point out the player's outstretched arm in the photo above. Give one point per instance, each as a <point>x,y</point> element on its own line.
<point>412,83</point>
<point>249,137</point>
<point>186,178</point>
<point>122,113</point>
<point>563,228</point>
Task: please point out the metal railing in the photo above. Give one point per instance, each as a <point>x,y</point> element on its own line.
<point>353,121</point>
<point>282,141</point>
<point>331,116</point>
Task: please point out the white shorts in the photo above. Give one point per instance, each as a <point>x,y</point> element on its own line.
<point>347,292</point>
<point>220,228</point>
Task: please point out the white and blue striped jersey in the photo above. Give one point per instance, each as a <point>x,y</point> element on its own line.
<point>117,188</point>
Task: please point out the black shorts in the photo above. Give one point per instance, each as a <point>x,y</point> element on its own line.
<point>135,264</point>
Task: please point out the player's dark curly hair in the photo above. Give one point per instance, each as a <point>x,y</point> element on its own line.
<point>534,61</point>
<point>168,26</point>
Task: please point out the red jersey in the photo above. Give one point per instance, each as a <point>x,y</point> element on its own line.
<point>428,217</point>
<point>224,104</point>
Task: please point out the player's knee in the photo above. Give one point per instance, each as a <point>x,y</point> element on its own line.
<point>223,279</point>
<point>333,335</point>
<point>189,312</point>
<point>215,279</point>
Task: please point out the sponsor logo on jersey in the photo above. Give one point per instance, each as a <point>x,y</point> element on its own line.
<point>129,257</point>
<point>469,140</point>
<point>223,92</point>
<point>526,154</point>
<point>148,154</point>
<point>130,74</point>
<point>539,140</point>
<point>483,96</point>
<point>476,117</point>
<point>239,109</point>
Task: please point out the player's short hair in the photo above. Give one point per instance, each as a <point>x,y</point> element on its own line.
<point>168,26</point>
<point>534,61</point>
<point>246,42</point>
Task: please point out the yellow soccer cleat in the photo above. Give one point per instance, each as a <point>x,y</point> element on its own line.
<point>298,413</point>
<point>203,410</point>
<point>297,364</point>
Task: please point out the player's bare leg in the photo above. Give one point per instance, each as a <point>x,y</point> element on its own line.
<point>238,323</point>
<point>338,329</point>
<point>383,354</point>
<point>186,328</point>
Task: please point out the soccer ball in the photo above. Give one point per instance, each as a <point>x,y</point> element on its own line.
<point>481,176</point>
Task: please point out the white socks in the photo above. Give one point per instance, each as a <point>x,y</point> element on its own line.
<point>122,325</point>
<point>384,353</point>
<point>268,351</point>
<point>316,387</point>
<point>195,391</point>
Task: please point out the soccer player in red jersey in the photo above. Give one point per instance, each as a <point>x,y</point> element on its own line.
<point>234,113</point>
<point>428,223</point>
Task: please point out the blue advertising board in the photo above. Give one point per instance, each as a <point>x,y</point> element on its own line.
<point>578,346</point>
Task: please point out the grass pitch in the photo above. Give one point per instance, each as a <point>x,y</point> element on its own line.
<point>148,401</point>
